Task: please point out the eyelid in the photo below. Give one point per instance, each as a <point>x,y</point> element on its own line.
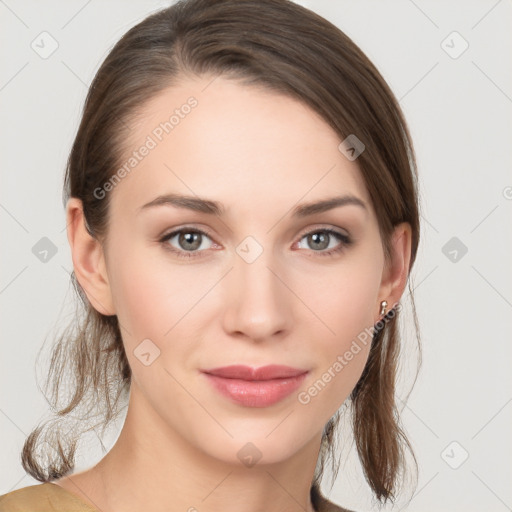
<point>186,227</point>
<point>345,238</point>
<point>327,227</point>
<point>305,231</point>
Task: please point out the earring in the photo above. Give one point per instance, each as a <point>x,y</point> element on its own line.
<point>383,306</point>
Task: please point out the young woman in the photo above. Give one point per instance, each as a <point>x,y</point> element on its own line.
<point>243,218</point>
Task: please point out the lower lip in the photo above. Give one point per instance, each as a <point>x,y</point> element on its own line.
<point>262,393</point>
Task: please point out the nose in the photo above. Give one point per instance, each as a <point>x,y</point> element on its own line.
<point>258,304</point>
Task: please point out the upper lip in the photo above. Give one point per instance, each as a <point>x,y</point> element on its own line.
<point>242,372</point>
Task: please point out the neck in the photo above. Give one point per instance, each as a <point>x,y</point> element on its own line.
<point>152,467</point>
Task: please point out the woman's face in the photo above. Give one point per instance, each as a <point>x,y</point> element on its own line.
<point>261,285</point>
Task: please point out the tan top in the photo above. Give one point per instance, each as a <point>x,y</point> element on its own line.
<point>49,497</point>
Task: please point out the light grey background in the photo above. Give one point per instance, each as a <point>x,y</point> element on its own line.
<point>459,110</point>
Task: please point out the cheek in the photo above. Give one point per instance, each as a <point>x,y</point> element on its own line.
<point>344,300</point>
<point>155,297</point>
<point>155,301</point>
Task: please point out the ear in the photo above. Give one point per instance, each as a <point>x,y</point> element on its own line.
<point>396,271</point>
<point>88,259</point>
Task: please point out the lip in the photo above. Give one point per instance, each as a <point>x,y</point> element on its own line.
<point>242,372</point>
<point>256,387</point>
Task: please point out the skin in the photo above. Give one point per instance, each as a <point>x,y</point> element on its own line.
<point>260,154</point>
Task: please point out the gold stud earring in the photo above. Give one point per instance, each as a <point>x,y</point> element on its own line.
<point>383,306</point>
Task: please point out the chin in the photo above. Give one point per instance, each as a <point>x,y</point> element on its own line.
<point>262,444</point>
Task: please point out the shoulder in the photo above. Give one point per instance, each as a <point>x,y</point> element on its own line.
<point>327,506</point>
<point>45,497</point>
<point>321,503</point>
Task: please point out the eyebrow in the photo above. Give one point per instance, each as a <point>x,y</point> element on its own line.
<point>210,207</point>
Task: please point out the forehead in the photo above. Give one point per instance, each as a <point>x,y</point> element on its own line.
<point>243,145</point>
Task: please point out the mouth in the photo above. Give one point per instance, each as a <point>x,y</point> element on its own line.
<point>243,372</point>
<point>255,387</point>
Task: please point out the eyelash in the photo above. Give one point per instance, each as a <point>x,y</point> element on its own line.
<point>344,239</point>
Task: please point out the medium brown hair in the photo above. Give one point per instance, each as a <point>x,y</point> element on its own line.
<point>286,48</point>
